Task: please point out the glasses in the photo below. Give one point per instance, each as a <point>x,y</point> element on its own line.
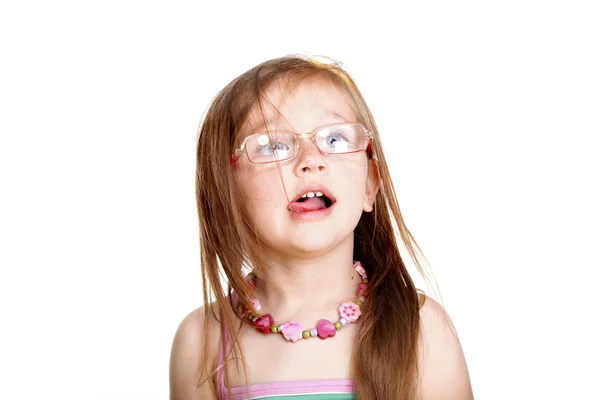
<point>268,147</point>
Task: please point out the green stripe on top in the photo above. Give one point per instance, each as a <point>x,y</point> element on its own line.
<point>319,396</point>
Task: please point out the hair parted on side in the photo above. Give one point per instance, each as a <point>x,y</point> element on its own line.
<point>385,355</point>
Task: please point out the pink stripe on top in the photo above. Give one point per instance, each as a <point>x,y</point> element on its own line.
<point>288,388</point>
<point>279,388</point>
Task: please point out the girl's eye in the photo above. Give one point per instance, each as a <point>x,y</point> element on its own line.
<point>335,139</point>
<point>269,148</point>
<point>332,139</point>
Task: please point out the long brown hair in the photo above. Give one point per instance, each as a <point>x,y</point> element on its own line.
<point>385,363</point>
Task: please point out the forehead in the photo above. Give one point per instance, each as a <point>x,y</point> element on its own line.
<point>300,106</point>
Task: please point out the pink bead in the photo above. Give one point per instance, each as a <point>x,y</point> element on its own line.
<point>361,286</point>
<point>256,304</point>
<point>292,331</point>
<point>264,323</point>
<point>325,329</point>
<point>350,311</point>
<point>359,268</point>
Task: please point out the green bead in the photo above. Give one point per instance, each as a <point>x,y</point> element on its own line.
<point>365,280</point>
<point>250,316</point>
<point>306,334</point>
<point>338,325</point>
<point>359,303</point>
<point>274,329</point>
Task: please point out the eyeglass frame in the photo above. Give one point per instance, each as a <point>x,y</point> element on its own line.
<point>241,149</point>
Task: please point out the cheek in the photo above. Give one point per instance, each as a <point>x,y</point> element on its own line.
<point>262,193</point>
<point>355,186</point>
<point>352,191</point>
<point>358,201</point>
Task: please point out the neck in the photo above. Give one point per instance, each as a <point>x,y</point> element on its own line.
<point>304,287</point>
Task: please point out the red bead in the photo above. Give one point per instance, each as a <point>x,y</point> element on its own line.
<point>361,286</point>
<point>264,323</point>
<point>325,329</point>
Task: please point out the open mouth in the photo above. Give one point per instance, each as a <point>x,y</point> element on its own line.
<point>311,201</point>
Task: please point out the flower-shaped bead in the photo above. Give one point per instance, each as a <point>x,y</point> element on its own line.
<point>292,331</point>
<point>350,311</point>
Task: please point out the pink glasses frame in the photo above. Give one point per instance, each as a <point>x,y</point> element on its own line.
<point>239,151</point>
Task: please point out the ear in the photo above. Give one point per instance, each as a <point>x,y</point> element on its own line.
<point>372,186</point>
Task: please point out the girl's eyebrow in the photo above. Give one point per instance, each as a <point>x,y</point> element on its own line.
<point>335,115</point>
<point>266,123</point>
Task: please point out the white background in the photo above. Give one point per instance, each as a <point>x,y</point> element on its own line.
<point>489,114</point>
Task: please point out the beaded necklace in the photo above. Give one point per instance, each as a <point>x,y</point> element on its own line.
<point>293,330</point>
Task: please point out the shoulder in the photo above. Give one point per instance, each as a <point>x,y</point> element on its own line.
<point>443,372</point>
<point>191,355</point>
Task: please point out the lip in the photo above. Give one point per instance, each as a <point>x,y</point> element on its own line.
<point>313,215</point>
<point>315,187</point>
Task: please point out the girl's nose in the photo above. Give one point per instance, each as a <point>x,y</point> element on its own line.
<point>309,158</point>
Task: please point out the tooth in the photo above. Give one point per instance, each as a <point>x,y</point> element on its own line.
<point>319,194</point>
<point>303,196</point>
<point>310,194</point>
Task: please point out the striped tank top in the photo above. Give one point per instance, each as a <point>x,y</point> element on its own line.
<point>332,389</point>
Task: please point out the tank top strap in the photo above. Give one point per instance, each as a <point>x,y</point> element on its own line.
<point>223,350</point>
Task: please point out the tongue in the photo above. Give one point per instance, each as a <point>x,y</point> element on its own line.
<point>310,204</point>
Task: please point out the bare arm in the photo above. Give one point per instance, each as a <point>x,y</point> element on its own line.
<point>443,369</point>
<point>187,359</point>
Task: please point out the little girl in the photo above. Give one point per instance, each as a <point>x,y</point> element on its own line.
<point>298,215</point>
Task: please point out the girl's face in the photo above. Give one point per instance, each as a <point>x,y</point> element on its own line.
<point>349,178</point>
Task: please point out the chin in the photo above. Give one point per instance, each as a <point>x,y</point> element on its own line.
<point>315,244</point>
<point>318,242</point>
<point>312,237</point>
